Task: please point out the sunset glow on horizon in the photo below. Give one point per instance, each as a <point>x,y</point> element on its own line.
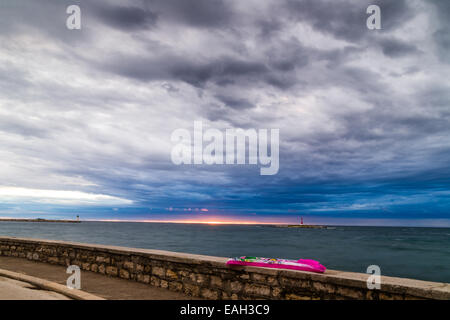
<point>210,221</point>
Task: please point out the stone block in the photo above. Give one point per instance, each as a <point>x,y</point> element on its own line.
<point>128,265</point>
<point>139,268</point>
<point>257,290</point>
<point>155,281</point>
<point>170,274</point>
<point>236,286</point>
<point>111,271</point>
<point>124,274</point>
<point>201,279</point>
<point>158,271</point>
<point>175,286</point>
<point>293,296</point>
<point>295,283</point>
<point>216,281</point>
<point>351,293</point>
<point>143,278</point>
<point>276,292</point>
<point>323,287</point>
<point>102,269</point>
<point>244,276</point>
<point>258,277</point>
<point>102,259</point>
<point>272,281</point>
<point>209,294</point>
<point>191,289</point>
<point>389,296</point>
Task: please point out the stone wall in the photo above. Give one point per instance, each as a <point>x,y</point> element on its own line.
<point>209,277</point>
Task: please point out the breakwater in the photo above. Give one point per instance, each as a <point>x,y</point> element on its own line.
<point>39,220</point>
<point>209,277</point>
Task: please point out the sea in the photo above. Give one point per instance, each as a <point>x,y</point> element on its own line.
<point>408,252</point>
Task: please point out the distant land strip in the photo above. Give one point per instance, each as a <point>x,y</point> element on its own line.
<point>306,226</point>
<point>39,220</point>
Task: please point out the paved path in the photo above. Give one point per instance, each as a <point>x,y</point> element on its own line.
<point>97,284</point>
<point>16,290</point>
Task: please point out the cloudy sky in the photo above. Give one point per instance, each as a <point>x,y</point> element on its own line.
<point>86,115</point>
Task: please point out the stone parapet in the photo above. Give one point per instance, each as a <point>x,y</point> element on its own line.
<point>209,277</point>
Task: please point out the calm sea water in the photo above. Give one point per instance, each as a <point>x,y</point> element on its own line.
<point>420,253</point>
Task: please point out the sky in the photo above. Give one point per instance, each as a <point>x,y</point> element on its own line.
<point>86,116</point>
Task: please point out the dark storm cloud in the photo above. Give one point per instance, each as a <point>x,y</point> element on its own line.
<point>441,35</point>
<point>277,66</point>
<point>347,19</point>
<point>221,70</point>
<point>126,18</point>
<point>174,67</point>
<point>358,79</point>
<point>47,17</point>
<point>235,103</point>
<point>285,56</point>
<point>396,48</point>
<point>342,20</point>
<point>270,27</point>
<point>381,127</point>
<point>196,13</point>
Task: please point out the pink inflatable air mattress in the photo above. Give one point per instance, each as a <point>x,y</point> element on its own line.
<point>302,264</point>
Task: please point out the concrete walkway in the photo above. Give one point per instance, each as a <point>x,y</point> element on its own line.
<point>94,283</point>
<point>17,290</point>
